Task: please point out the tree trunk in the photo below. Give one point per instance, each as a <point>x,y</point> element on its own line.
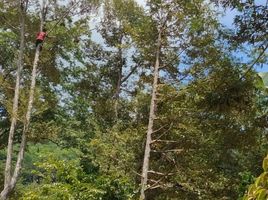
<point>11,185</point>
<point>8,188</point>
<point>16,95</point>
<point>119,80</point>
<point>147,151</point>
<point>117,91</point>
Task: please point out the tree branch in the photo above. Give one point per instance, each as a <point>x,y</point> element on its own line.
<point>165,131</point>
<point>253,64</point>
<point>160,173</point>
<point>170,150</point>
<point>159,129</point>
<point>130,73</point>
<point>165,141</point>
<point>1,133</point>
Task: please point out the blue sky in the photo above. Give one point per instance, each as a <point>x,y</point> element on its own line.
<point>227,20</point>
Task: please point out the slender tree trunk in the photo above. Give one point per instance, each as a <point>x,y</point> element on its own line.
<point>12,183</point>
<point>117,91</point>
<point>28,115</point>
<point>147,151</point>
<point>14,116</point>
<point>27,121</point>
<point>119,80</point>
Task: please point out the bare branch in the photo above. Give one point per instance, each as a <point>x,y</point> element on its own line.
<point>255,61</point>
<point>156,183</point>
<point>160,173</point>
<point>159,129</point>
<point>1,133</point>
<point>165,131</point>
<point>170,150</point>
<point>130,73</point>
<point>165,141</point>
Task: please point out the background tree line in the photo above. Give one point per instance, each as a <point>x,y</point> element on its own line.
<point>133,102</point>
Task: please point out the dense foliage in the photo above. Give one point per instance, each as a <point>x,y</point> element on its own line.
<point>91,110</point>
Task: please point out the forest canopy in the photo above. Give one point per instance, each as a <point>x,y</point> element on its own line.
<point>123,100</point>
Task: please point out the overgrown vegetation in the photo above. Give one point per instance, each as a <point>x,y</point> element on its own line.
<point>158,102</point>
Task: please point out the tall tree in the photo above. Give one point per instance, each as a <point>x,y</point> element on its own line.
<point>118,16</point>
<point>11,182</point>
<point>169,20</point>
<point>23,5</point>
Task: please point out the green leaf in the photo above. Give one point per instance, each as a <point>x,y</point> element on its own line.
<point>251,189</point>
<point>264,76</point>
<point>262,194</point>
<point>265,164</point>
<point>259,83</point>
